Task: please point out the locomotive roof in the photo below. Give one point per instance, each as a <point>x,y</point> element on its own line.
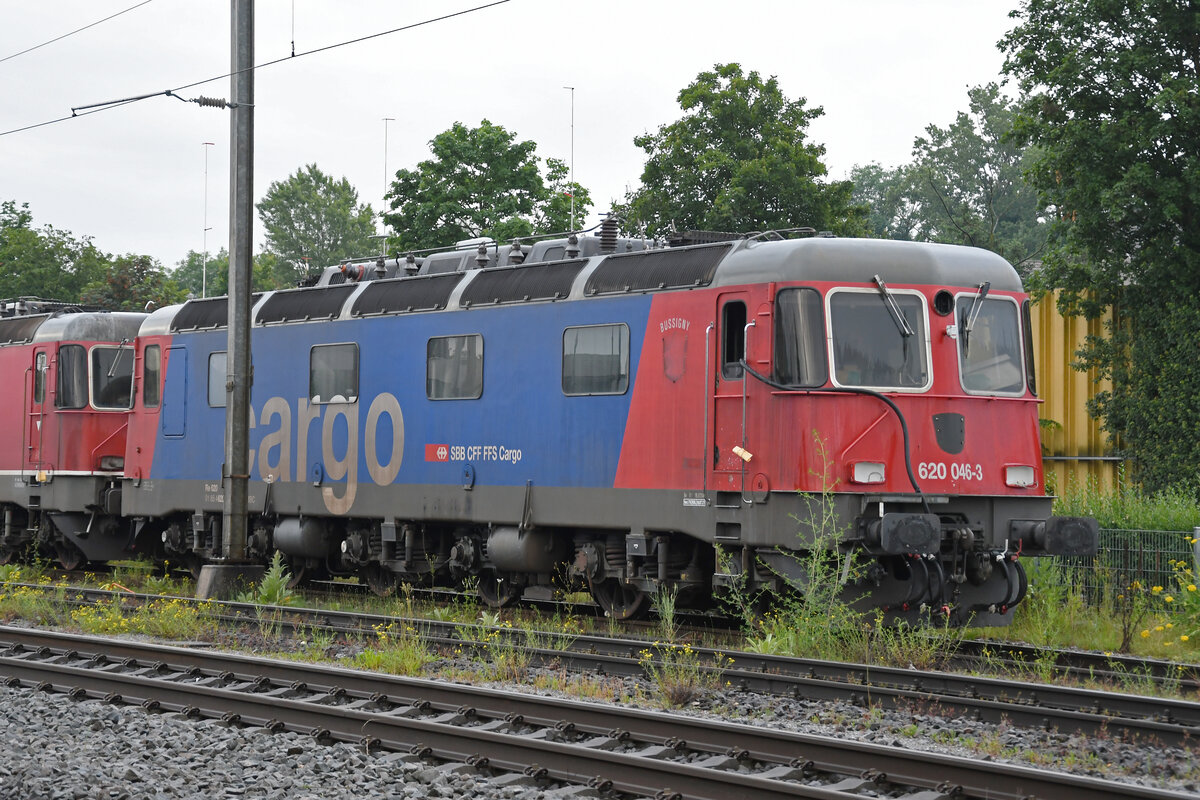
<point>90,326</point>
<point>727,263</point>
<point>859,260</point>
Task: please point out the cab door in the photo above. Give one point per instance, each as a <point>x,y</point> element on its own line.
<point>728,388</point>
<point>36,422</point>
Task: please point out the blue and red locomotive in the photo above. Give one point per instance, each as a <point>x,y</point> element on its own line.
<point>595,411</point>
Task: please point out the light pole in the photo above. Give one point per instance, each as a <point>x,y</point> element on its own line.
<point>571,180</point>
<point>383,208</point>
<point>204,263</point>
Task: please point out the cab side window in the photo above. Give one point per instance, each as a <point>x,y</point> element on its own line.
<point>151,374</point>
<point>40,365</point>
<point>733,340</point>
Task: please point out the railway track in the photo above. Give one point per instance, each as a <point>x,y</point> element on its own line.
<point>520,737</point>
<point>1130,717</point>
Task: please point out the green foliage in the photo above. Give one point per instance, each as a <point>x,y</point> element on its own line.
<point>269,272</point>
<point>965,185</point>
<point>1129,507</point>
<point>678,675</point>
<point>738,160</point>
<point>273,589</point>
<point>131,283</point>
<point>553,211</point>
<point>312,221</point>
<point>480,182</point>
<point>43,262</point>
<point>1111,105</point>
<point>887,195</point>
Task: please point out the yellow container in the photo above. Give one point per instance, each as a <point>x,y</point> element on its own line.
<point>1074,446</point>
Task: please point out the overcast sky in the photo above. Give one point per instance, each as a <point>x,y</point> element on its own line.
<point>133,178</point>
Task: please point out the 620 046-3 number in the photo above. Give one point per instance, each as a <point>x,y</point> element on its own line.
<point>938,470</point>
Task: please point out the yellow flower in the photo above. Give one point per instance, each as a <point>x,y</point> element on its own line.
<point>1145,634</point>
<point>1158,628</point>
<point>1170,625</point>
<point>1191,587</point>
<point>1169,599</point>
<point>1183,637</point>
<point>1156,589</point>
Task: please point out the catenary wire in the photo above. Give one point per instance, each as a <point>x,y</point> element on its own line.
<point>72,33</point>
<point>82,111</point>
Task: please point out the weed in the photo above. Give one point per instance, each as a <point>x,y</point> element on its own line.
<point>677,673</point>
<point>664,606</point>
<point>397,649</point>
<point>273,589</point>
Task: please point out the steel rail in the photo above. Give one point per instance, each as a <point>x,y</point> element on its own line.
<point>346,706</point>
<point>1168,721</point>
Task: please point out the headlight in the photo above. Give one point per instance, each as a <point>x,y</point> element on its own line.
<point>866,472</point>
<point>1020,476</point>
<point>112,463</point>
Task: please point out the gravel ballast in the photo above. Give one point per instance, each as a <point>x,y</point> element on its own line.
<point>54,747</point>
<point>57,748</point>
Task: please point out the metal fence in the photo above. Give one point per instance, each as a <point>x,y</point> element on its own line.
<point>1148,557</point>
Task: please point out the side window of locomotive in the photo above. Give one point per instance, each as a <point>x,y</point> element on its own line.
<point>733,340</point>
<point>595,360</point>
<point>40,365</point>
<point>112,377</point>
<point>151,375</point>
<point>1027,330</point>
<point>454,367</point>
<point>799,338</point>
<point>333,373</point>
<point>216,380</point>
<point>989,345</point>
<point>874,347</point>
<point>72,390</point>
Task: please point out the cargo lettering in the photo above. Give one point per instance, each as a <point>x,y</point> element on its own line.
<point>274,457</point>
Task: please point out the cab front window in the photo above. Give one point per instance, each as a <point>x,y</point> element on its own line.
<point>990,353</point>
<point>876,344</point>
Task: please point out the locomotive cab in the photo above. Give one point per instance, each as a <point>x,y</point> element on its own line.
<point>68,455</point>
<point>899,406</point>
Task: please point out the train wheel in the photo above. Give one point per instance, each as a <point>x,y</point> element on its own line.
<point>620,600</point>
<point>303,571</point>
<point>69,556</point>
<point>382,581</point>
<point>496,592</point>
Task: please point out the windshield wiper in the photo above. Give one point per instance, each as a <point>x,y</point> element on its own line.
<point>894,309</point>
<point>976,307</point>
<point>121,348</point>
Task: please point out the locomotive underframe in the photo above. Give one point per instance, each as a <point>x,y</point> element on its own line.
<point>626,544</point>
<point>73,519</point>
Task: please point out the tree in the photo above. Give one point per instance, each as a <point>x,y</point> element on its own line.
<point>480,182</point>
<point>888,196</point>
<point>43,262</point>
<point>191,272</point>
<point>738,160</point>
<point>132,283</point>
<point>965,185</point>
<point>1112,105</point>
<point>553,213</point>
<point>969,179</point>
<point>313,221</point>
<point>268,272</point>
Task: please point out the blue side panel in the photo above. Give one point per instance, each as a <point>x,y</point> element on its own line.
<point>522,428</point>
